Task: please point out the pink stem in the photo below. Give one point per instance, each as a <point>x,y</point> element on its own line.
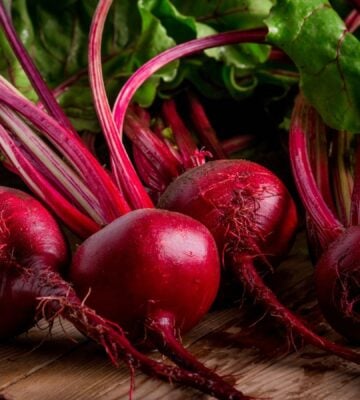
<point>73,218</point>
<point>32,72</point>
<point>352,21</point>
<point>355,197</point>
<point>326,224</point>
<point>54,169</point>
<point>72,148</point>
<point>343,181</point>
<point>57,299</point>
<point>123,170</point>
<point>153,148</point>
<point>204,128</point>
<point>185,49</point>
<point>237,143</point>
<point>319,157</point>
<point>191,157</point>
<point>149,174</point>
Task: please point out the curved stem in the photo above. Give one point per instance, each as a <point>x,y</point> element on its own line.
<point>245,271</point>
<point>161,328</point>
<point>191,156</point>
<point>57,299</point>
<point>32,72</point>
<point>355,196</point>
<point>185,49</point>
<point>71,146</point>
<point>327,225</point>
<point>123,170</point>
<point>57,172</point>
<point>152,147</point>
<point>65,210</point>
<point>204,128</point>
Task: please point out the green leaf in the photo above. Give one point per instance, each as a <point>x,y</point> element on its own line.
<point>56,35</point>
<point>226,14</point>
<point>326,54</point>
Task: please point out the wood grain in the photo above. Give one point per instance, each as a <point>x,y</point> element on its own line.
<point>239,341</point>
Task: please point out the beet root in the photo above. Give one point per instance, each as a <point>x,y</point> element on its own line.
<point>253,220</point>
<point>156,273</point>
<point>337,278</point>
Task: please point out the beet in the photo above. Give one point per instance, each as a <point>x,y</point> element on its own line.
<point>253,219</point>
<point>337,278</point>
<point>154,272</point>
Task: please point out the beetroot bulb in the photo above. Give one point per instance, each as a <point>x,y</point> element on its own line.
<point>32,254</point>
<point>337,266</point>
<point>158,263</point>
<point>253,220</point>
<point>155,273</point>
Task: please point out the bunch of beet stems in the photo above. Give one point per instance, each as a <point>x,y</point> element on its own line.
<point>263,295</point>
<point>164,148</point>
<point>44,149</point>
<point>333,215</point>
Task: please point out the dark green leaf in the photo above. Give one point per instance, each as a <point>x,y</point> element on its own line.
<point>326,54</point>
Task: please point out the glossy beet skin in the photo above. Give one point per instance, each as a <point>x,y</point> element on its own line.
<point>253,219</point>
<point>337,277</point>
<point>146,264</point>
<point>245,206</point>
<point>29,239</point>
<point>32,252</point>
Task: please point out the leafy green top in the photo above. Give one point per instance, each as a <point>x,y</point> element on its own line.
<point>326,54</point>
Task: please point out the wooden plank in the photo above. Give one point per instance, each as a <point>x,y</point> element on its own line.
<point>240,342</point>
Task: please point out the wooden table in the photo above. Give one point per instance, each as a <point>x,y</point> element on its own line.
<point>66,366</point>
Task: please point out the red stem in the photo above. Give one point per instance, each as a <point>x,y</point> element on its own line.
<point>204,128</point>
<point>71,146</point>
<point>355,197</point>
<point>73,218</point>
<point>161,328</point>
<point>185,49</point>
<point>343,181</point>
<point>123,170</point>
<point>153,148</point>
<point>32,72</point>
<point>319,157</point>
<point>237,143</point>
<point>245,271</point>
<point>57,298</point>
<point>352,21</point>
<point>326,224</point>
<point>187,147</point>
<point>149,175</point>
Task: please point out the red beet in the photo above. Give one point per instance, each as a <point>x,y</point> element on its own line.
<point>156,273</point>
<point>253,219</point>
<point>30,240</point>
<point>146,263</point>
<point>337,278</point>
